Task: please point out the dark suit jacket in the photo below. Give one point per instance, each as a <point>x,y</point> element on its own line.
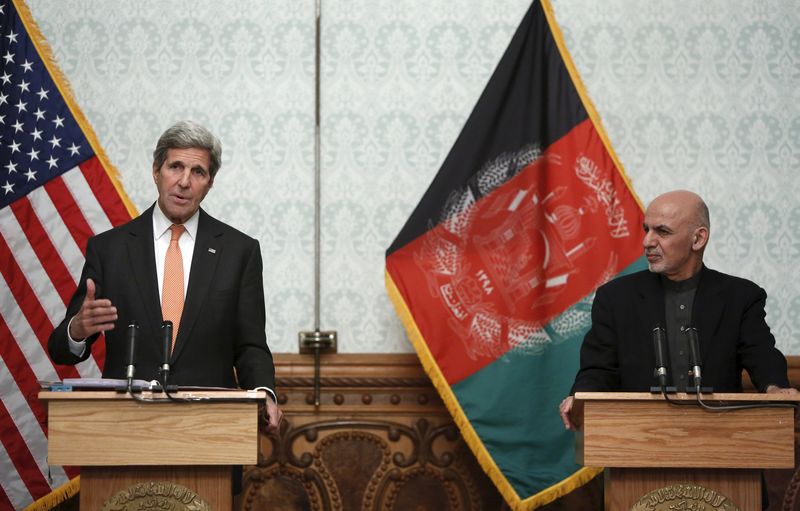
<point>617,353</point>
<point>223,321</point>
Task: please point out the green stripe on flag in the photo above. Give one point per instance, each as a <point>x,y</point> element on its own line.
<point>521,428</point>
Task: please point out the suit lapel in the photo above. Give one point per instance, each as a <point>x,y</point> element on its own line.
<point>707,309</point>
<point>142,263</point>
<point>207,251</point>
<point>651,301</point>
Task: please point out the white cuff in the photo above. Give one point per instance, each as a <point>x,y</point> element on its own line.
<point>270,392</point>
<point>75,347</point>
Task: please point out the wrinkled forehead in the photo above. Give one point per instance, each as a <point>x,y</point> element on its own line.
<point>667,212</point>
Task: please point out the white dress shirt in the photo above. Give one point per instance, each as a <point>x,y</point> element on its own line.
<point>161,238</point>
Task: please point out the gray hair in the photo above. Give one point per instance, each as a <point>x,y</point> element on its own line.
<point>188,135</point>
<point>703,216</point>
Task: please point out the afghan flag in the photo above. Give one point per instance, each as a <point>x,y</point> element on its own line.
<point>494,273</point>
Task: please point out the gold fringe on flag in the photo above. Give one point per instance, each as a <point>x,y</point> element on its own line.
<point>468,433</point>
<point>58,496</point>
<point>46,54</point>
<point>587,103</point>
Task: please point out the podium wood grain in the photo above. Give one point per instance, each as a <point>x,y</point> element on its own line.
<point>642,430</point>
<point>102,428</point>
<point>646,443</point>
<point>119,441</point>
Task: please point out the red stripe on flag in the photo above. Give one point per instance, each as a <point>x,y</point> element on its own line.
<point>80,230</point>
<point>22,373</point>
<point>48,255</point>
<point>104,191</point>
<point>528,251</point>
<point>29,304</point>
<point>70,213</point>
<point>21,456</point>
<point>71,471</point>
<point>4,502</point>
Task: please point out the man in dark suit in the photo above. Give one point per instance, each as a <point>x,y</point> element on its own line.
<point>175,262</point>
<point>678,291</point>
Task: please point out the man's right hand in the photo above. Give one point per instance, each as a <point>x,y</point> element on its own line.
<point>94,316</point>
<point>564,409</point>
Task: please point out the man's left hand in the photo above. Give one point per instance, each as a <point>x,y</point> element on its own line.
<point>274,416</point>
<point>774,389</point>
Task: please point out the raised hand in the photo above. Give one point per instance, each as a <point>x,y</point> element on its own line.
<point>94,315</point>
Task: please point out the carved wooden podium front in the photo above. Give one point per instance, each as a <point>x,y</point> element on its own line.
<point>663,456</point>
<point>134,455</point>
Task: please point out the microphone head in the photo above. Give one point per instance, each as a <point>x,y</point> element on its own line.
<point>166,330</point>
<point>694,345</point>
<point>694,353</point>
<point>659,340</point>
<point>132,334</point>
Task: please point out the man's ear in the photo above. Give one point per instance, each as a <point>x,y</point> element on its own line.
<point>700,238</point>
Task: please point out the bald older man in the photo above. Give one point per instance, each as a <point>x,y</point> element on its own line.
<point>678,291</point>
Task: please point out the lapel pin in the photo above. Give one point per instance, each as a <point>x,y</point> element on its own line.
<point>212,250</point>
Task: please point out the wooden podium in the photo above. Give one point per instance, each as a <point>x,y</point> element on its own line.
<point>132,450</point>
<point>666,454</point>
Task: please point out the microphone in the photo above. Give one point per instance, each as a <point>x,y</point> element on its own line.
<point>694,353</point>
<point>132,334</point>
<point>659,339</point>
<point>166,337</point>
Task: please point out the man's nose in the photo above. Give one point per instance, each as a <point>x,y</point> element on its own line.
<point>184,178</point>
<point>649,239</point>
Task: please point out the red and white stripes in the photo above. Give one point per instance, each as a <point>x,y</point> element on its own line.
<point>43,240</point>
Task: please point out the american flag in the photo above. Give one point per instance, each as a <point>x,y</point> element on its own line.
<point>56,190</point>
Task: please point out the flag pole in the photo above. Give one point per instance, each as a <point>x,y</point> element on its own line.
<point>317,161</point>
<point>317,341</point>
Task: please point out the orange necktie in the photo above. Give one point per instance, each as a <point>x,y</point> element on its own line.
<point>172,294</point>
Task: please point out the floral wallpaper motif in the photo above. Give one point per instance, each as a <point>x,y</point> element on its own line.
<point>698,95</point>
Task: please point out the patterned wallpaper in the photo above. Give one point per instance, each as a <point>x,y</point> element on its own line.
<point>699,95</point>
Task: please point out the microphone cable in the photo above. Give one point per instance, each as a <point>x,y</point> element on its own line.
<point>747,406</point>
<point>659,340</point>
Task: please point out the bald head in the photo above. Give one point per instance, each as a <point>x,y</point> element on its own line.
<point>686,203</point>
<point>676,226</point>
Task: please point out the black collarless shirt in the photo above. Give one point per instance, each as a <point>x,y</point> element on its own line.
<point>678,301</point>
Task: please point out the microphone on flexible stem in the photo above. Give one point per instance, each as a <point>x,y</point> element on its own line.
<point>694,353</point>
<point>132,335</point>
<point>659,339</point>
<point>166,337</point>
